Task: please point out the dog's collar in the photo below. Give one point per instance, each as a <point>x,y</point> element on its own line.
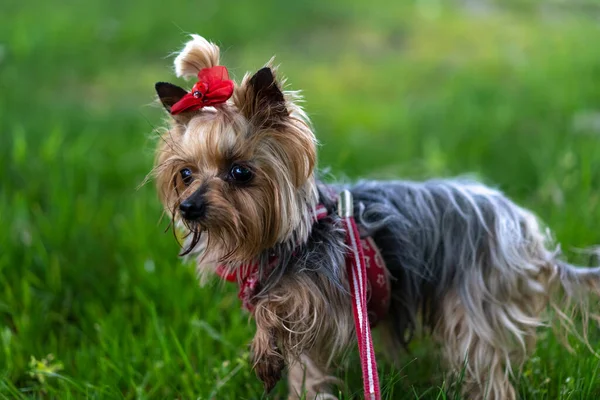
<point>247,276</point>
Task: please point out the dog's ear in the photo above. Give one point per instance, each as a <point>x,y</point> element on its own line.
<point>260,98</point>
<point>169,94</point>
<point>267,92</point>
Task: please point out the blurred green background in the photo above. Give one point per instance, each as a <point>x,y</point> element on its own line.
<point>93,301</point>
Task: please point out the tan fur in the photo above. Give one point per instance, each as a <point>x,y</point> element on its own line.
<point>307,380</point>
<point>198,53</point>
<point>490,333</point>
<point>242,223</point>
<point>487,328</point>
<point>302,314</point>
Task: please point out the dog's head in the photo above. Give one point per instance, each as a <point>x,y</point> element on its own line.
<point>235,165</point>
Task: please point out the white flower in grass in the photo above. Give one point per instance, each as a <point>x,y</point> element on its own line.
<point>44,368</point>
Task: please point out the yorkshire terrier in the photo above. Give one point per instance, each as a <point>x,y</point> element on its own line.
<point>236,171</point>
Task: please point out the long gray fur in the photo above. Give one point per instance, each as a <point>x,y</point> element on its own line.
<point>434,236</point>
<point>430,234</point>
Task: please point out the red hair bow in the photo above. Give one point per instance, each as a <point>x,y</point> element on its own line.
<point>213,87</point>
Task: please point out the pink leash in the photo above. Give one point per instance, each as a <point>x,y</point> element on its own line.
<point>357,275</point>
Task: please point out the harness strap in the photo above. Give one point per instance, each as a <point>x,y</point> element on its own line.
<point>357,275</point>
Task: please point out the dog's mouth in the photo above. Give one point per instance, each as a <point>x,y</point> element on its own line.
<point>213,231</point>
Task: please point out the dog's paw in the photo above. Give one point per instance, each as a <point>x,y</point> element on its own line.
<point>269,369</point>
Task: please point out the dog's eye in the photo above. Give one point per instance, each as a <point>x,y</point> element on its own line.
<point>240,174</point>
<point>186,176</point>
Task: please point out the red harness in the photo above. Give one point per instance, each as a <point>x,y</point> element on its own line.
<point>368,281</point>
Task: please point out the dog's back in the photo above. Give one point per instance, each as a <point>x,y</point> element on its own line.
<point>476,265</point>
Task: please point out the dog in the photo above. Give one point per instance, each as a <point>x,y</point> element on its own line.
<point>236,171</point>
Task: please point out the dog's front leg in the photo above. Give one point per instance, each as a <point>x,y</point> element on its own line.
<point>307,379</point>
<point>302,315</point>
<point>268,360</point>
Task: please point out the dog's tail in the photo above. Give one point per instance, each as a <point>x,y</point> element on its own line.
<point>578,306</point>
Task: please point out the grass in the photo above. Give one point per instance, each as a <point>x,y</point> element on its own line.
<point>94,303</point>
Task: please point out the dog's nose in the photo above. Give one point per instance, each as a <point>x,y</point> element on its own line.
<point>194,207</point>
<point>191,210</point>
